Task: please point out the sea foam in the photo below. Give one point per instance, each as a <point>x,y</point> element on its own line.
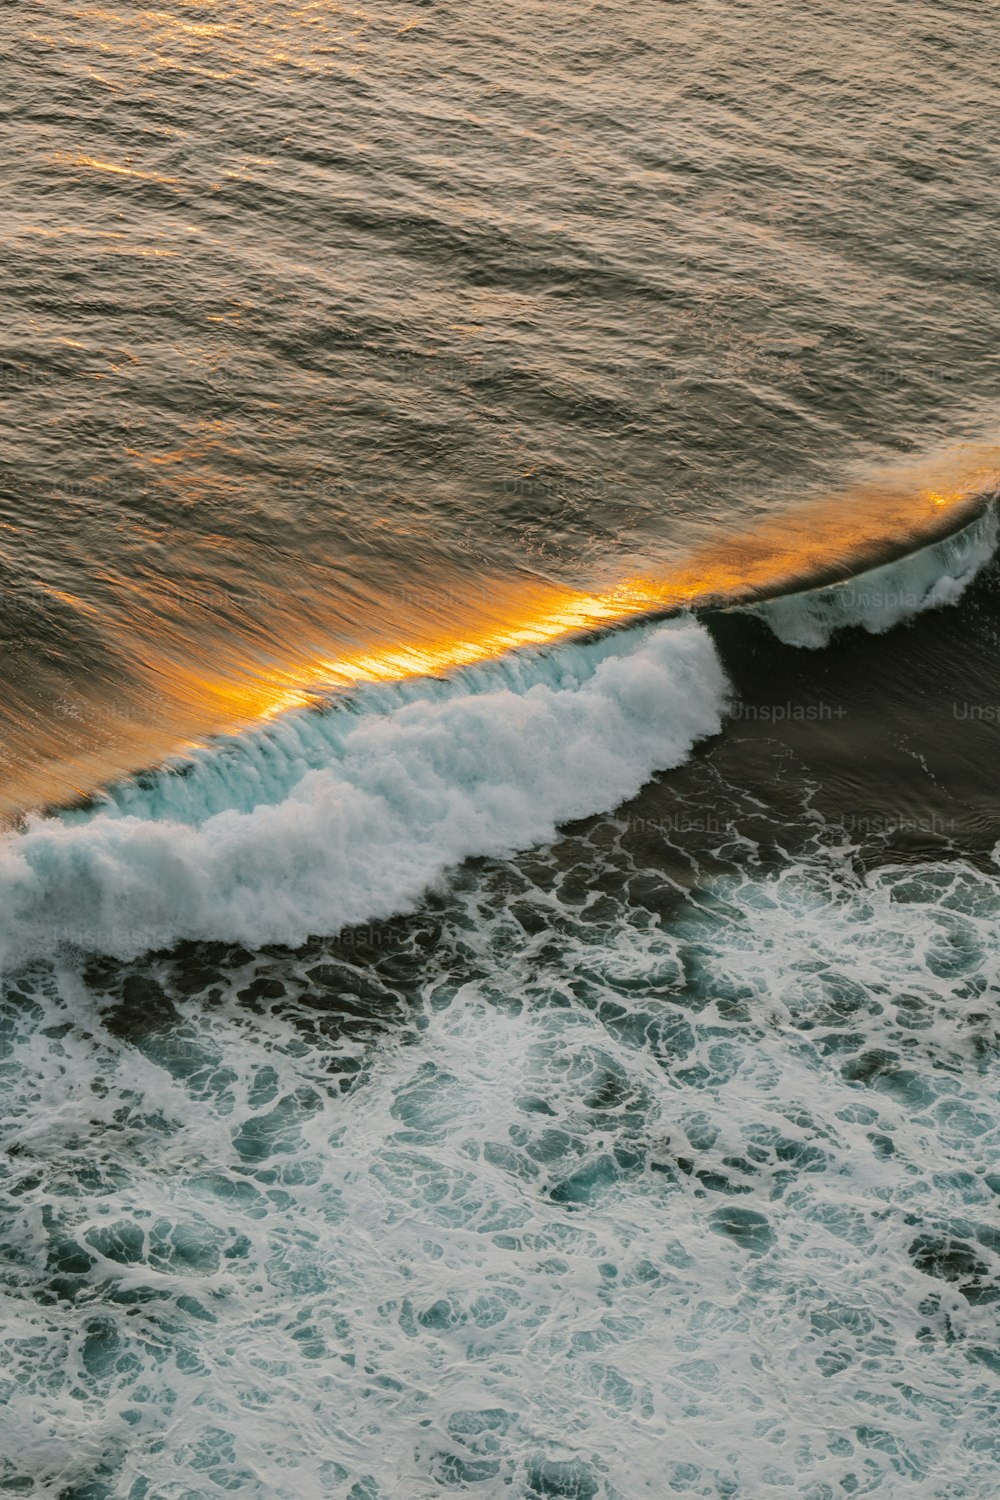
<point>723,1229</point>
<point>338,818</point>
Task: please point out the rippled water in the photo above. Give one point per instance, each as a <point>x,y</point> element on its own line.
<point>463,1032</point>
<point>326,328</point>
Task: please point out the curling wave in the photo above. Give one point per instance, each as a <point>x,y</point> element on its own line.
<point>261,765</point>
<point>483,766</point>
<point>323,818</point>
<point>880,598</point>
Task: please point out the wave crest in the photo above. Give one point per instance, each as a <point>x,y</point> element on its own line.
<point>483,767</point>
<point>877,600</point>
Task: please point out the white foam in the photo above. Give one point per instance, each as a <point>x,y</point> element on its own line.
<point>883,597</point>
<point>405,790</point>
<point>571,1240</point>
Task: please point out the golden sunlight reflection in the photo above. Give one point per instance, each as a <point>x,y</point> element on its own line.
<point>115,169</point>
<point>812,545</point>
<point>195,673</point>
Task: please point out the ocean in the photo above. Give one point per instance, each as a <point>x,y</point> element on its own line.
<point>500,864</point>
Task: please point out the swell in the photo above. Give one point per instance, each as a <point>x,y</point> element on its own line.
<point>224,664</point>
<point>242,771</point>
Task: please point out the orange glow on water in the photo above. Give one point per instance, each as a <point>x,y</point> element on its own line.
<point>115,169</point>
<point>197,668</point>
<point>815,545</point>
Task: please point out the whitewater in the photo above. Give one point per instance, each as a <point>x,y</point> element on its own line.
<point>331,818</point>
<point>579,1181</point>
<point>548,1199</point>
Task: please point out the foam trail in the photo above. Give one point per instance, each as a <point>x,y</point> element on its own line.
<point>883,597</point>
<point>403,795</point>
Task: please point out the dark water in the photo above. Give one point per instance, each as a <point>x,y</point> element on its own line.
<point>568,1071</point>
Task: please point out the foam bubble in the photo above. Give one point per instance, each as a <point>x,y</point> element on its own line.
<point>728,1232</point>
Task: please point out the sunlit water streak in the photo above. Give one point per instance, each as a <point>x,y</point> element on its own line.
<point>177,700</point>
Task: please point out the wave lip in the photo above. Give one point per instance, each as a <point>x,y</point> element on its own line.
<point>876,600</point>
<point>403,795</point>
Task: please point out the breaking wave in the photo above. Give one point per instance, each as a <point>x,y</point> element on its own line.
<point>877,600</point>
<point>322,819</point>
<point>264,844</point>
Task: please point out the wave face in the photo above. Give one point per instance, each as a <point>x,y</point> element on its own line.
<point>276,847</point>
<point>243,771</point>
<point>322,819</point>
<point>929,578</point>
